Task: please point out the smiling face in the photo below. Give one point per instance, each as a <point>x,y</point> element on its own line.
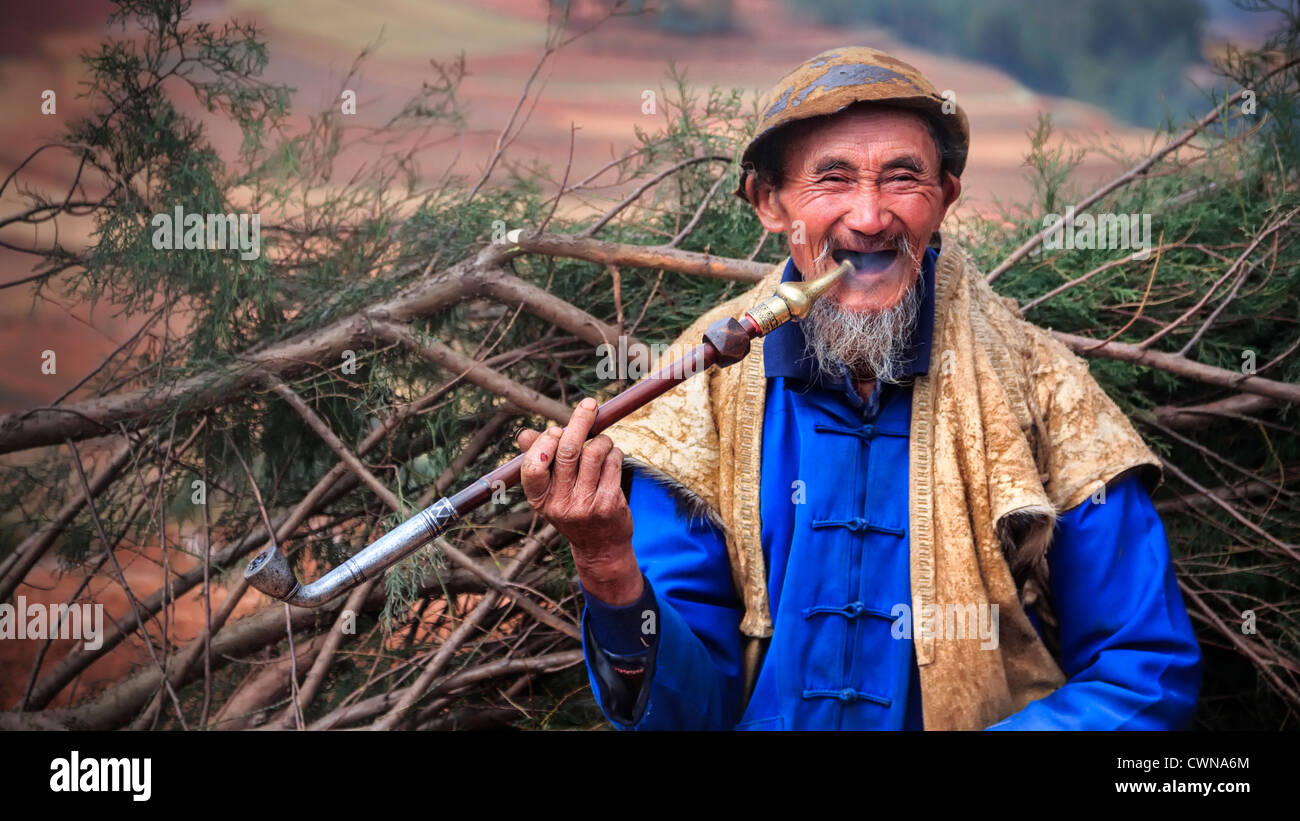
<point>864,183</point>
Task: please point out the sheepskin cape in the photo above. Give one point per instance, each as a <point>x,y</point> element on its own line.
<point>1007,428</point>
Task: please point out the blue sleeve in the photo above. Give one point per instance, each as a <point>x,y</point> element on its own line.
<point>693,668</point>
<point>627,631</point>
<point>1127,645</point>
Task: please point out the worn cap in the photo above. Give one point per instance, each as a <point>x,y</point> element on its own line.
<point>835,79</point>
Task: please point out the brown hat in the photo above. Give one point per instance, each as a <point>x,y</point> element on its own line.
<point>835,79</point>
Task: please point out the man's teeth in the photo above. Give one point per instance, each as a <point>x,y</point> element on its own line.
<point>867,262</point>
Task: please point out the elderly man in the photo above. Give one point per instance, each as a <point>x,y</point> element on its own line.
<point>911,510</point>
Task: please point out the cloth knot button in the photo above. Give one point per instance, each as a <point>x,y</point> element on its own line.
<point>856,525</point>
<point>865,433</point>
<point>851,610</point>
<point>848,694</point>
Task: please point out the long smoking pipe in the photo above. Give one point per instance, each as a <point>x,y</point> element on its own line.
<point>726,342</point>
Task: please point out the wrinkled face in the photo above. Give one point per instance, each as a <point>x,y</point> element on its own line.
<point>864,185</point>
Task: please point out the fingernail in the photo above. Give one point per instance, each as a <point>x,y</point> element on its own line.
<point>588,403</point>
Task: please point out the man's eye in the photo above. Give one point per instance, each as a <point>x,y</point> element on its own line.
<point>903,178</point>
<point>834,178</point>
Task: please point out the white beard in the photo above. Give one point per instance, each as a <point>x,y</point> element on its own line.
<point>873,344</point>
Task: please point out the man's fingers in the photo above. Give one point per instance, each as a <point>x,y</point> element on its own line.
<point>526,438</point>
<point>535,474</point>
<point>589,469</point>
<point>571,442</point>
<point>609,496</point>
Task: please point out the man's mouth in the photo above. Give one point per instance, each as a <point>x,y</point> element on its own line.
<point>867,262</point>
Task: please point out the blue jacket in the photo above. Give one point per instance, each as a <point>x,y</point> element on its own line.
<point>834,509</point>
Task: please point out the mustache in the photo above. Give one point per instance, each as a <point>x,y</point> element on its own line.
<point>895,242</point>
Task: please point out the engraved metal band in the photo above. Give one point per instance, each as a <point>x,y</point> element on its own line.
<point>439,517</point>
<point>354,568</point>
<point>769,314</point>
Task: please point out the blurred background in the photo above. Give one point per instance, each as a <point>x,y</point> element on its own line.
<point>1107,71</point>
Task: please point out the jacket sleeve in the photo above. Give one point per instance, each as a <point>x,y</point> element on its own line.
<point>692,667</point>
<point>1127,646</point>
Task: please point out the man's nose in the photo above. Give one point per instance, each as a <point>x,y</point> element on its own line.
<point>866,215</point>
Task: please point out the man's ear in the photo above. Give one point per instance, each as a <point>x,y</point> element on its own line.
<point>767,205</point>
<point>951,190</point>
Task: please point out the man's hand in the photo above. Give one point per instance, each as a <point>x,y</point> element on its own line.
<point>578,488</point>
